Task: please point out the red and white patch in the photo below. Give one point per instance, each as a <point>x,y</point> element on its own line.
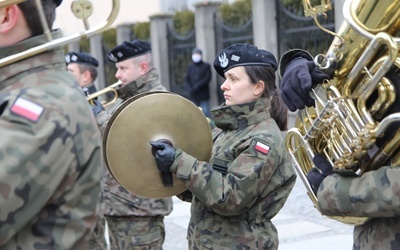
<point>27,109</point>
<point>262,148</point>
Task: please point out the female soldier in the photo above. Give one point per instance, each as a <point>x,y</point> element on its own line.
<point>248,178</point>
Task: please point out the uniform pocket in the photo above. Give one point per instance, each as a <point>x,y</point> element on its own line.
<point>223,242</point>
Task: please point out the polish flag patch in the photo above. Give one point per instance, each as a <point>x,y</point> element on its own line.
<point>27,109</point>
<point>262,148</point>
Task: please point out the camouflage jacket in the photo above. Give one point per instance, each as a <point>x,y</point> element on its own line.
<point>49,154</point>
<point>245,184</point>
<point>115,199</point>
<point>375,195</point>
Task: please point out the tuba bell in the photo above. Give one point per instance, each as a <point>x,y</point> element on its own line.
<point>348,117</point>
<point>82,9</point>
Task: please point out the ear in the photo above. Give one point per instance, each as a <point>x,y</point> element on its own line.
<point>9,17</point>
<point>259,88</point>
<point>143,67</point>
<point>87,76</point>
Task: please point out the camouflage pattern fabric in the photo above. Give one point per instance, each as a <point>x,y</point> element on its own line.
<point>245,184</point>
<point>375,195</point>
<point>49,154</point>
<point>97,240</point>
<point>116,201</point>
<point>149,233</point>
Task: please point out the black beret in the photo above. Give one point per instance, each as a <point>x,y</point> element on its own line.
<point>128,50</point>
<point>58,2</point>
<point>243,55</point>
<point>81,57</point>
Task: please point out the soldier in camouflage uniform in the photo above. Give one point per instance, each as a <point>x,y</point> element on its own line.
<point>50,143</point>
<point>249,176</point>
<point>135,222</point>
<point>84,68</point>
<point>374,194</point>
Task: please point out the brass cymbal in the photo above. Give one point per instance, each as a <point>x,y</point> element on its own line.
<point>149,117</point>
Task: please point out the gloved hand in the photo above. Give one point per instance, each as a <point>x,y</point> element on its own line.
<point>164,155</point>
<point>299,77</point>
<point>97,107</point>
<point>314,177</point>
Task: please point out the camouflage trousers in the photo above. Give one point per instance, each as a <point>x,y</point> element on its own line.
<point>137,233</point>
<point>98,241</point>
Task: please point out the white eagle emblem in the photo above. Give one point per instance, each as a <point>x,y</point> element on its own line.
<point>223,61</point>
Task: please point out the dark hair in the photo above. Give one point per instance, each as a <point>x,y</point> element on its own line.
<point>278,111</point>
<point>32,16</point>
<point>86,67</point>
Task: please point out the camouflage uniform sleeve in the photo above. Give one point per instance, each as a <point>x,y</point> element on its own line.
<point>102,119</point>
<point>234,193</point>
<point>374,194</point>
<point>35,175</point>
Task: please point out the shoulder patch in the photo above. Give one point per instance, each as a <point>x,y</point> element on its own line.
<point>27,109</point>
<point>261,147</point>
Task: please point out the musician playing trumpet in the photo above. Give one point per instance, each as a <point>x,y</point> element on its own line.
<point>83,67</point>
<point>374,194</point>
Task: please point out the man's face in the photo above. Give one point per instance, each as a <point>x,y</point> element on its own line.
<point>128,71</point>
<point>73,68</point>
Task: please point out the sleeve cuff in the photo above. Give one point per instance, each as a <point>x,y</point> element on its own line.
<point>183,164</point>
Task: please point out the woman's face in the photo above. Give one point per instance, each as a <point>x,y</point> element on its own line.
<point>238,88</point>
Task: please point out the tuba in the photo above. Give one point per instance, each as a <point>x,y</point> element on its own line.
<point>82,9</point>
<point>348,117</point>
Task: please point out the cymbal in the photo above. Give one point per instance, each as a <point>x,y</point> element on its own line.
<point>149,117</point>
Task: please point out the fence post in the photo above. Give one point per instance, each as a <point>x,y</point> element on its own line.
<point>265,26</point>
<point>74,47</point>
<point>205,40</point>
<point>96,50</point>
<point>124,32</point>
<point>159,46</point>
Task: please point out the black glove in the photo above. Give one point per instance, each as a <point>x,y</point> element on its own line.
<point>164,155</point>
<point>97,107</point>
<point>314,177</point>
<point>299,77</point>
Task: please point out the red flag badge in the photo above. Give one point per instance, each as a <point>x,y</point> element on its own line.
<point>261,147</point>
<point>27,109</point>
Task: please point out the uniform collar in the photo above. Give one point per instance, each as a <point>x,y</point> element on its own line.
<point>143,84</point>
<point>52,58</point>
<point>242,115</point>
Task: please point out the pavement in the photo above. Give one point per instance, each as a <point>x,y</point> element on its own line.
<point>299,225</point>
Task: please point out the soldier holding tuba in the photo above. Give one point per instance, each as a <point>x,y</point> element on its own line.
<point>374,194</point>
<point>50,147</point>
<point>345,143</point>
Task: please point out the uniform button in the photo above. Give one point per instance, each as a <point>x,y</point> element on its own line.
<point>137,200</point>
<point>205,241</point>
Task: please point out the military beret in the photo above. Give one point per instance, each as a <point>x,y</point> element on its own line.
<point>81,57</point>
<point>243,55</point>
<point>128,50</point>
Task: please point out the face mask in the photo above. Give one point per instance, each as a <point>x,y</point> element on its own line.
<point>196,58</point>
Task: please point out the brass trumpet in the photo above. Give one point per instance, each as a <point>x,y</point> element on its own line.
<point>112,88</point>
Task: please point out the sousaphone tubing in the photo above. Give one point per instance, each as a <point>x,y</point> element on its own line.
<point>153,116</point>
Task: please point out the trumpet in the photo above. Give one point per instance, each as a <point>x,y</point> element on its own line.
<point>112,88</point>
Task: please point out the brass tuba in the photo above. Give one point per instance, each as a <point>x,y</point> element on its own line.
<point>82,9</point>
<point>348,117</point>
